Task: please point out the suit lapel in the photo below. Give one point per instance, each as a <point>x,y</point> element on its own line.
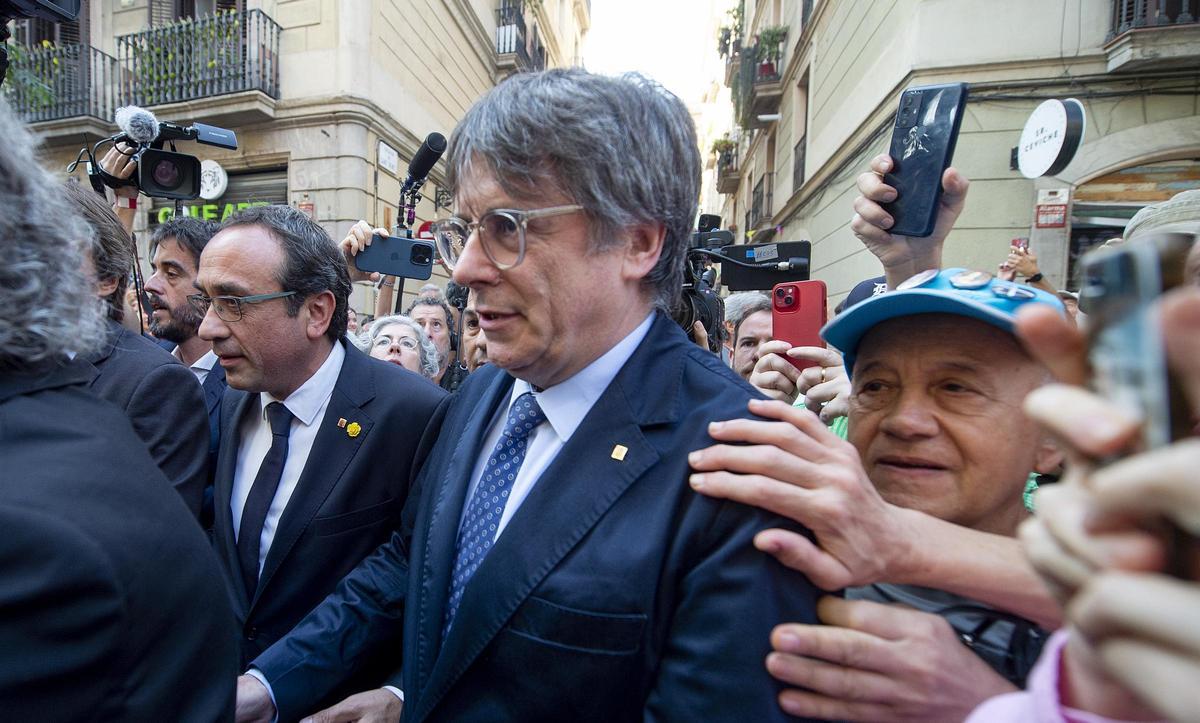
<point>571,495</point>
<point>227,456</point>
<point>214,387</point>
<point>435,543</point>
<point>332,450</point>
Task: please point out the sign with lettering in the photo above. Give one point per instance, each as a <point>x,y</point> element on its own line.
<point>1050,138</point>
<point>206,211</point>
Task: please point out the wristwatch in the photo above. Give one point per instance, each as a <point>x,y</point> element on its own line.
<point>1036,277</point>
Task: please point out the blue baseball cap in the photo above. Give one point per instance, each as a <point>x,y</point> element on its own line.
<point>973,294</point>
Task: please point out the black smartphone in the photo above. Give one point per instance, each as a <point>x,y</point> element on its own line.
<point>923,139</point>
<point>1128,355</point>
<point>410,258</point>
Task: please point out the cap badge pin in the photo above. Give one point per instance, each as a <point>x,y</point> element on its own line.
<point>353,429</point>
<point>1013,291</point>
<point>919,279</point>
<point>341,422</point>
<point>971,280</point>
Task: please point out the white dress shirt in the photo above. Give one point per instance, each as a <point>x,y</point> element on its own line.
<point>565,405</point>
<point>307,404</point>
<point>202,366</point>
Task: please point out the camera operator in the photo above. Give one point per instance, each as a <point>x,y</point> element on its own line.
<point>157,393</point>
<point>111,597</point>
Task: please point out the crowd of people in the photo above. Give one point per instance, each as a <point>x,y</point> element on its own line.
<point>550,503</point>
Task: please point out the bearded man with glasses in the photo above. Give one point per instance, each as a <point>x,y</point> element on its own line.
<point>317,439</point>
<point>560,568</point>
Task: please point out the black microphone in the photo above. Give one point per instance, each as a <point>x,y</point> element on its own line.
<point>422,161</point>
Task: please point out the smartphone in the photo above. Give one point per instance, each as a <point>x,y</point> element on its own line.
<point>923,140</point>
<point>1021,242</point>
<point>798,311</point>
<point>1128,356</point>
<point>409,258</point>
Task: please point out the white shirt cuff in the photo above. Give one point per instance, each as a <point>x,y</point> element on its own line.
<point>257,675</point>
<point>393,690</point>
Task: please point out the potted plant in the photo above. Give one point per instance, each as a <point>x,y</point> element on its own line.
<point>722,145</point>
<point>769,41</point>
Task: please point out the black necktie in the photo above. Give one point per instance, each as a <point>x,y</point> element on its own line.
<point>262,493</point>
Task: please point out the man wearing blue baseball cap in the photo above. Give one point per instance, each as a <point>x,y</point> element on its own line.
<point>918,506</point>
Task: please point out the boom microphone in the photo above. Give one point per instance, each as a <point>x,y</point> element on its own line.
<point>137,124</point>
<point>423,160</point>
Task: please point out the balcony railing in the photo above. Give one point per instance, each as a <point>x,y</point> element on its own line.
<point>513,39</point>
<point>758,89</point>
<point>229,52</point>
<point>798,165</point>
<point>1131,14</point>
<point>46,84</point>
<point>760,200</point>
<point>727,171</point>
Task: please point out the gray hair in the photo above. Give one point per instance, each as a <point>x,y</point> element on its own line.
<point>48,306</point>
<point>428,352</point>
<point>623,148</point>
<point>736,305</point>
<point>312,262</point>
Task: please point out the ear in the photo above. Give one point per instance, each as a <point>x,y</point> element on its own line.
<point>319,310</point>
<point>643,250</point>
<point>105,287</point>
<point>1049,456</point>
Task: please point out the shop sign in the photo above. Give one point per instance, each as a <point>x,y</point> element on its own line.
<point>1050,138</point>
<point>1051,215</point>
<point>206,211</point>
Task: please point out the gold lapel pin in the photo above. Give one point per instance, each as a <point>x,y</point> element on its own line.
<point>353,429</point>
<point>341,422</point>
<point>619,451</point>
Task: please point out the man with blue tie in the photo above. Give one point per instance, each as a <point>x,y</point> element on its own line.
<point>558,566</point>
<point>318,440</point>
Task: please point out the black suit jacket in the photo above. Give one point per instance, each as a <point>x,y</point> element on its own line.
<point>614,594</point>
<point>347,501</point>
<point>113,605</point>
<point>163,401</point>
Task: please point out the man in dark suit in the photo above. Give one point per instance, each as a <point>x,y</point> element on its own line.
<point>157,393</point>
<point>110,607</point>
<point>318,440</point>
<point>560,568</point>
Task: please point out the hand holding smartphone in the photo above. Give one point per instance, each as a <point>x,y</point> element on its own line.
<point>798,311</point>
<point>409,258</point>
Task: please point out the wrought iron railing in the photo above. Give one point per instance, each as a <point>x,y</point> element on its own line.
<point>798,165</point>
<point>228,52</point>
<point>511,34</point>
<point>51,83</point>
<point>727,161</point>
<point>760,200</point>
<point>1131,14</point>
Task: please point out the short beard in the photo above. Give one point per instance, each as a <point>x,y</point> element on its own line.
<point>182,325</point>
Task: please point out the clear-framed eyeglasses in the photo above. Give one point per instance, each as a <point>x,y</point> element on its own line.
<point>229,308</point>
<point>383,341</point>
<point>501,233</point>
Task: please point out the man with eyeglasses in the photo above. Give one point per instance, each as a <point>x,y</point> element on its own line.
<point>317,439</point>
<point>560,568</point>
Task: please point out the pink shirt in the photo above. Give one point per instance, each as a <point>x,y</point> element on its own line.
<point>1039,702</point>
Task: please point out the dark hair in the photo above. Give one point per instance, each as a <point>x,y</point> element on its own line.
<point>623,148</point>
<point>757,305</point>
<point>440,303</point>
<point>112,246</point>
<point>312,261</point>
<point>192,234</point>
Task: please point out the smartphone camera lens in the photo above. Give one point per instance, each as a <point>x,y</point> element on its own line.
<point>422,255</point>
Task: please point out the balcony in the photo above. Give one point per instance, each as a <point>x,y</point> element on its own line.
<point>760,202</point>
<point>728,176</point>
<point>230,60</point>
<point>760,85</point>
<point>512,41</point>
<point>1153,34</point>
<point>67,91</point>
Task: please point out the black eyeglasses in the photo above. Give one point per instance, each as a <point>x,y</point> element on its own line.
<point>229,308</point>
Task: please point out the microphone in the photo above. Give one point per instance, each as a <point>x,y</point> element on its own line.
<point>137,124</point>
<point>422,161</point>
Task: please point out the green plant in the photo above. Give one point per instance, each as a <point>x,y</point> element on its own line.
<point>197,52</point>
<point>770,40</point>
<point>723,145</point>
<point>31,73</point>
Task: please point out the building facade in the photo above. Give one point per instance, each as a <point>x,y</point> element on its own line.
<point>329,98</point>
<point>816,84</point>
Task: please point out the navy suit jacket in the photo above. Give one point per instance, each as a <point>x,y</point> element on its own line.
<point>616,593</point>
<point>347,501</point>
<point>162,400</point>
<point>112,597</point>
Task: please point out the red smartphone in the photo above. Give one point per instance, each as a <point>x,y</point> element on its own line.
<point>1021,242</point>
<point>798,311</point>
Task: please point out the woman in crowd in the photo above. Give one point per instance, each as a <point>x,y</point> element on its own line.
<point>399,340</point>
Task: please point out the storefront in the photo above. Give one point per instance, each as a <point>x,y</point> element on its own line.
<point>220,200</point>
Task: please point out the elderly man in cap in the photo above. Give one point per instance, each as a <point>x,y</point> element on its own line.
<point>919,506</point>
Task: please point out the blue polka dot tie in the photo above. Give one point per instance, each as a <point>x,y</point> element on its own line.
<point>486,506</point>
